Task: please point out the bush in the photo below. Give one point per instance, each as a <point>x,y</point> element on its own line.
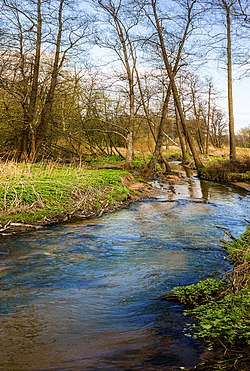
<point>227,171</point>
<point>222,308</point>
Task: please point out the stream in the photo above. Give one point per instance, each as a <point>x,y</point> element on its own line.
<point>86,295</point>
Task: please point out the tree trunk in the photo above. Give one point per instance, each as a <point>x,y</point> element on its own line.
<point>130,76</point>
<point>46,114</point>
<point>185,159</point>
<point>230,85</point>
<point>208,117</point>
<point>129,150</point>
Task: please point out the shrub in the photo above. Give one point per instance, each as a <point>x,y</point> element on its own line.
<point>202,293</point>
<point>227,171</point>
<point>226,321</point>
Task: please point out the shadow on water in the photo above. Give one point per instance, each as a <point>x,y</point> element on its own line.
<point>85,296</point>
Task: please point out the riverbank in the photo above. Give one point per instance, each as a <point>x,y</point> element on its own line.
<point>226,171</point>
<point>38,195</point>
<point>221,309</point>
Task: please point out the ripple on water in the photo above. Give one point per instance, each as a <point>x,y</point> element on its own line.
<point>86,296</point>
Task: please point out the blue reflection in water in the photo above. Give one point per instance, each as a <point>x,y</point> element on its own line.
<point>86,296</point>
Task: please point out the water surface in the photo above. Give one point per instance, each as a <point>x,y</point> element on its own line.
<point>86,296</point>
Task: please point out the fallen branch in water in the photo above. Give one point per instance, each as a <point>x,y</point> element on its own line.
<point>229,235</point>
<point>12,228</point>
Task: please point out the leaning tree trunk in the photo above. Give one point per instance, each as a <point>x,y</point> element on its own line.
<point>185,159</point>
<point>157,154</point>
<point>171,76</point>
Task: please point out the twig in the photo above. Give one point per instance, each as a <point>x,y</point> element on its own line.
<point>229,235</point>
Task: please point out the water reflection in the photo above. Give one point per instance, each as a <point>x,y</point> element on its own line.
<point>85,296</point>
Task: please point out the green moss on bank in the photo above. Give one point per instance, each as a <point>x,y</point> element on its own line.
<point>29,193</point>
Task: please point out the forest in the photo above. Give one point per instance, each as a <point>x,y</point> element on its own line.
<point>119,77</point>
<point>87,82</point>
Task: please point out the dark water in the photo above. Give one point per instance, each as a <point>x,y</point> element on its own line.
<point>86,296</point>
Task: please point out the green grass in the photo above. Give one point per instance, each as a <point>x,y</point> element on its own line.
<point>32,192</point>
<point>239,250</point>
<point>105,160</point>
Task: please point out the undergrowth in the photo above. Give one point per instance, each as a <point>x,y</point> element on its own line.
<point>221,308</point>
<point>227,171</point>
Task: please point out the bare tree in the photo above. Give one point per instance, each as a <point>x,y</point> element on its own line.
<point>124,48</point>
<point>171,76</point>
<point>227,6</point>
<point>227,10</point>
<point>41,33</point>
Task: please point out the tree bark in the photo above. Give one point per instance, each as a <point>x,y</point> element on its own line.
<point>208,117</point>
<point>35,80</point>
<point>230,84</point>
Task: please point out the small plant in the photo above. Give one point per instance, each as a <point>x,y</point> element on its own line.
<point>104,160</point>
<point>140,162</point>
<point>203,292</point>
<point>226,321</point>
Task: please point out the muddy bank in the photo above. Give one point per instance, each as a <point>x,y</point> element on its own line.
<point>243,185</point>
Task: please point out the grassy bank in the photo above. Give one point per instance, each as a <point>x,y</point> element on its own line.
<point>227,171</point>
<point>222,312</point>
<point>44,193</point>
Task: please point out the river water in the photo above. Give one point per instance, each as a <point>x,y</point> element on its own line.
<point>86,296</point>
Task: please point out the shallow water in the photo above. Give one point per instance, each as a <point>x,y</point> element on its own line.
<point>86,296</point>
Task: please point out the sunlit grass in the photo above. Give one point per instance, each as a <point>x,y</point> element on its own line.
<point>31,192</point>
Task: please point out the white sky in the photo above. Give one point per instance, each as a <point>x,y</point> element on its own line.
<point>242,103</point>
<point>241,97</point>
